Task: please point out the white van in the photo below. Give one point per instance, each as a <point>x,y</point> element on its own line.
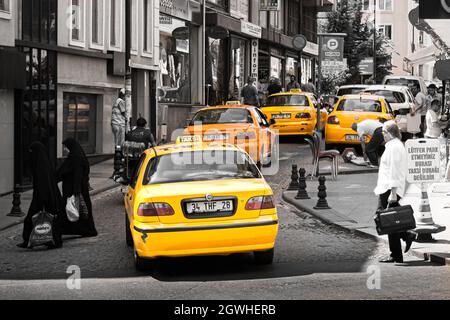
<point>406,81</point>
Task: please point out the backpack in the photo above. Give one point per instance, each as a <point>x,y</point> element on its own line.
<point>42,233</point>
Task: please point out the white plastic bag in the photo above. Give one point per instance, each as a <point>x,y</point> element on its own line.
<point>72,209</point>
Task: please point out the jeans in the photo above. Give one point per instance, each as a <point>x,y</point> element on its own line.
<point>119,134</point>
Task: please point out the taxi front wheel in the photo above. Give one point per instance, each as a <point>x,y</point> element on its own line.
<point>264,257</point>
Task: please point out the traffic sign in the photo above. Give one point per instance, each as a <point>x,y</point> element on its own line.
<point>423,161</point>
<point>299,42</point>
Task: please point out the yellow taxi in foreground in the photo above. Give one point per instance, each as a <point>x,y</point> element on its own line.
<point>353,109</point>
<point>193,199</point>
<point>294,113</point>
<point>234,123</point>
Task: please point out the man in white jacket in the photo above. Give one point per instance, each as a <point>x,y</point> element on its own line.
<point>391,185</point>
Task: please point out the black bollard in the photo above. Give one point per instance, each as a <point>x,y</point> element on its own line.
<point>322,202</point>
<point>16,210</point>
<point>294,179</point>
<point>302,194</point>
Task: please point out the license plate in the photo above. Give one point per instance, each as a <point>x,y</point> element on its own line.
<point>212,137</point>
<point>352,137</point>
<point>281,116</point>
<point>209,206</point>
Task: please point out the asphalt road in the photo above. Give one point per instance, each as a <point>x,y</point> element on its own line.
<point>312,261</point>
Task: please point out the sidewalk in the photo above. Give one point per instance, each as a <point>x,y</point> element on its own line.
<point>99,179</point>
<point>353,206</point>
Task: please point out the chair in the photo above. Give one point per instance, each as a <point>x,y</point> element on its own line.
<point>332,155</point>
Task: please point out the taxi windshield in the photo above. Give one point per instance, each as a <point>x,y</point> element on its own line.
<point>363,105</point>
<point>221,116</point>
<point>203,165</point>
<point>288,101</point>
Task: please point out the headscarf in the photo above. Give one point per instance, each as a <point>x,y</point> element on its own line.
<point>45,187</point>
<point>76,152</point>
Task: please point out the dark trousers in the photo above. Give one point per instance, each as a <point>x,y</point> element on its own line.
<point>373,147</point>
<point>394,239</point>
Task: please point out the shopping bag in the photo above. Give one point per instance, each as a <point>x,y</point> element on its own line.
<point>395,220</point>
<point>42,233</point>
<point>72,211</point>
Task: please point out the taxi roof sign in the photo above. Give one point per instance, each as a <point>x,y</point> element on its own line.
<point>189,139</point>
<point>233,103</point>
<point>296,90</point>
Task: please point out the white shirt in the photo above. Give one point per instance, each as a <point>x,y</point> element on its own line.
<point>393,168</point>
<point>368,127</point>
<point>433,128</point>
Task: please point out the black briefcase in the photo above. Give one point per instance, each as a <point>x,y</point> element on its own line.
<point>395,220</point>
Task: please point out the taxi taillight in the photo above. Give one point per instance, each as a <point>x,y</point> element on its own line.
<point>260,203</point>
<point>155,209</point>
<point>333,120</point>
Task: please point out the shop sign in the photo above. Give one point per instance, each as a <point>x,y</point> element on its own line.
<point>163,19</point>
<point>423,161</point>
<point>366,66</point>
<point>176,8</point>
<point>255,59</point>
<point>434,9</point>
<point>269,5</point>
<point>251,29</point>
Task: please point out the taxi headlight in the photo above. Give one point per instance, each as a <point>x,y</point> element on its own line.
<point>303,115</point>
<point>246,135</point>
<point>260,203</point>
<point>155,209</point>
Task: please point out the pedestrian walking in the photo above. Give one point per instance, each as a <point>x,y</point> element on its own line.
<point>274,87</point>
<point>434,127</point>
<point>119,119</point>
<point>293,84</point>
<point>74,174</point>
<point>391,186</point>
<point>371,128</point>
<point>310,87</point>
<point>250,93</point>
<point>433,94</point>
<point>421,102</point>
<point>46,195</point>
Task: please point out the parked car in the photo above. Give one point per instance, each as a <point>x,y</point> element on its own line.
<point>351,89</point>
<point>406,81</point>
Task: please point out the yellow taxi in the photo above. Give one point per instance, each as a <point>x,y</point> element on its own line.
<point>353,109</point>
<point>294,113</point>
<point>234,123</point>
<point>195,198</point>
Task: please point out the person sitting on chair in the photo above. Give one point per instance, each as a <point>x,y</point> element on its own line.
<point>370,128</point>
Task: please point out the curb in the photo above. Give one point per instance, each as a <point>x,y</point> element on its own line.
<point>432,257</point>
<point>91,193</point>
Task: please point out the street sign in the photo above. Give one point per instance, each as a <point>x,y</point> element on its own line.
<point>299,42</point>
<point>434,9</point>
<point>366,66</point>
<point>423,161</point>
<point>251,29</point>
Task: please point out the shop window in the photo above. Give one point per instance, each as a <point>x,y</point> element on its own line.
<point>215,70</point>
<point>291,69</point>
<point>175,73</point>
<point>237,72</point>
<point>77,26</point>
<point>97,23</point>
<point>276,68</point>
<point>80,118</point>
<point>115,25</point>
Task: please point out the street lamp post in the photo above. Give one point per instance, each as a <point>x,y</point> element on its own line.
<point>375,41</point>
<point>128,82</point>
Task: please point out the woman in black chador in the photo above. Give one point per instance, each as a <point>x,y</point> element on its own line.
<point>46,195</point>
<point>74,173</point>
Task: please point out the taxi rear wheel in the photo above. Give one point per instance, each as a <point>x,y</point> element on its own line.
<point>128,236</point>
<point>264,257</point>
<point>142,264</point>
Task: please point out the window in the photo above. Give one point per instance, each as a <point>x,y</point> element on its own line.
<point>116,22</point>
<point>147,27</point>
<point>77,26</point>
<point>385,5</point>
<point>220,3</point>
<point>134,27</point>
<point>97,23</point>
<point>238,66</point>
<point>239,8</point>
<point>5,11</point>
<point>386,30</point>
